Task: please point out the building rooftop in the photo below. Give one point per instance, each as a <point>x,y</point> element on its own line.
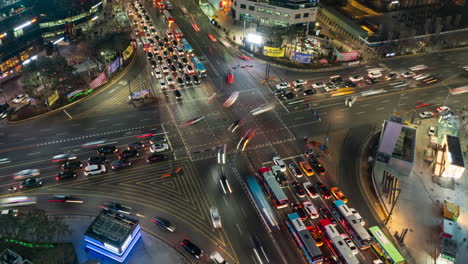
<point>454,149</point>
<point>10,257</point>
<point>404,148</point>
<point>111,228</point>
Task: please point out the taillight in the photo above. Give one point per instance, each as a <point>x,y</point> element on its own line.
<point>57,178</point>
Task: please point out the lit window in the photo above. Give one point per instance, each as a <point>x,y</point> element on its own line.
<point>277,13</point>
<point>18,33</point>
<point>268,11</point>
<point>286,15</point>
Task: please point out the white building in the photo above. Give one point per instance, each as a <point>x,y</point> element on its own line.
<point>279,13</point>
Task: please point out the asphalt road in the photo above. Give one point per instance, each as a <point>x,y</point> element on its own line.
<point>186,198</point>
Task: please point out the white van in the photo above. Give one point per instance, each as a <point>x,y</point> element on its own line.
<point>216,258</point>
<point>215,218</point>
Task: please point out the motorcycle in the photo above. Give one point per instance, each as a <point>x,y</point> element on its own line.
<point>13,189</point>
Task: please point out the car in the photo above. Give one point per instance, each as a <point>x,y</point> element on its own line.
<point>374,74</point>
<point>217,258</point>
<point>288,96</point>
<point>170,80</point>
<point>63,157</point>
<point>282,86</point>
<point>157,73</point>
<point>136,145</point>
<point>309,92</point>
<point>392,76</point>
<point>97,160</point>
<point>165,54</point>
<point>155,157</point>
<point>72,165</point>
<point>162,84</point>
<point>319,85</point>
<point>306,168</point>
<point>177,94</point>
<point>107,150</point>
<point>170,50</point>
<point>7,112</point>
<point>159,147</point>
<point>338,194</point>
<point>225,184</point>
<point>349,84</point>
<point>175,58</point>
<point>431,131</point>
<point>120,164</point>
<point>128,153</point>
<point>215,218</point>
<point>323,190</point>
<point>356,78</point>
<point>181,67</point>
<point>117,207</point>
<point>64,199</point>
<point>230,78</point>
<point>169,61</point>
<point>189,69</point>
<point>295,170</point>
<point>180,51</point>
<point>426,114</point>
<point>31,183</point>
<point>311,210</point>
<point>299,82</point>
<point>164,223</point>
<point>184,60</point>
<point>165,70</point>
<point>278,161</point>
<point>26,174</point>
<point>350,244</point>
<point>160,59</point>
<point>19,98</point>
<point>158,138</point>
<point>310,189</point>
<point>317,166</point>
<point>335,80</point>
<point>9,212</point>
<point>67,174</point>
<point>187,78</point>
<point>297,208</point>
<point>173,69</point>
<point>371,80</point>
<point>180,81</point>
<point>191,248</point>
<point>150,55</point>
<point>407,75</point>
<point>95,169</point>
<point>196,79</point>
<point>298,189</point>
<point>326,214</point>
<point>212,37</point>
<point>443,109</point>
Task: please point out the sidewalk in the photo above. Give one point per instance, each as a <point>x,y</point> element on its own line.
<point>148,250</point>
<point>419,207</point>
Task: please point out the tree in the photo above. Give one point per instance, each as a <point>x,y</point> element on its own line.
<point>112,42</point>
<point>59,9</point>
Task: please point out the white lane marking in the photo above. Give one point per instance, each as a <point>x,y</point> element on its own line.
<point>243,212</point>
<point>364,105</point>
<point>118,124</point>
<point>298,118</point>
<point>456,101</point>
<point>75,124</point>
<point>441,91</point>
<point>44,130</point>
<point>91,128</point>
<point>58,134</point>
<point>69,116</point>
<point>380,108</point>
<point>29,139</point>
<point>386,101</point>
<point>111,90</point>
<point>102,120</point>
<point>238,228</point>
<point>34,153</point>
<point>146,119</point>
<point>263,251</point>
<point>360,113</point>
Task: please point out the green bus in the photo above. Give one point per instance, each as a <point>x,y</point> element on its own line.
<point>384,248</point>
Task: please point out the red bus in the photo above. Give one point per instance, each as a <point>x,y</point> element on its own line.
<point>168,16</point>
<point>178,34</point>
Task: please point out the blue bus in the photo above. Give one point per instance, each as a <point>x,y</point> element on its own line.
<point>304,239</point>
<point>187,47</point>
<point>199,66</point>
<point>266,212</point>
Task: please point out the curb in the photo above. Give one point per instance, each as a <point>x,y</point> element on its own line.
<point>104,87</point>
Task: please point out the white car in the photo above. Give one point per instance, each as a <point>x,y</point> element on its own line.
<point>426,114</point>
<point>350,244</point>
<point>19,98</point>
<point>319,85</point>
<point>157,73</point>
<point>262,109</point>
<point>26,174</point>
<point>95,169</point>
<point>431,131</point>
<point>299,82</point>
<point>281,86</point>
<point>165,69</point>
<point>358,216</point>
<point>330,88</point>
<point>170,80</point>
<point>215,218</point>
<point>217,258</point>
<point>418,67</point>
<point>374,74</point>
<point>355,78</point>
<point>308,187</point>
<point>311,210</point>
<point>407,74</point>
<point>443,109</point>
<point>159,147</point>
<point>278,161</point>
<point>421,76</point>
<point>162,84</point>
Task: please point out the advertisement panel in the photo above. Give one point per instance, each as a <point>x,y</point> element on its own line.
<point>347,56</point>
<point>302,57</point>
<point>53,98</point>
<point>273,52</point>
<point>113,66</point>
<point>128,52</point>
<point>102,78</point>
<point>140,94</point>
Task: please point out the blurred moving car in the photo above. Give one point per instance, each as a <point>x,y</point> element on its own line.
<point>164,223</point>
<point>26,174</point>
<point>31,183</point>
<point>64,199</point>
<point>191,248</point>
<point>215,217</point>
<point>63,157</point>
<point>67,174</point>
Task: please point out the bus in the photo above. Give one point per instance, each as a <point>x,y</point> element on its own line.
<point>304,239</point>
<point>336,243</point>
<point>273,188</point>
<point>351,224</point>
<point>168,16</point>
<point>178,34</point>
<point>144,41</point>
<point>266,212</point>
<point>384,248</point>
<point>160,5</point>
<point>199,66</point>
<point>187,47</point>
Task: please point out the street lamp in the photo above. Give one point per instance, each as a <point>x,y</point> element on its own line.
<point>448,88</point>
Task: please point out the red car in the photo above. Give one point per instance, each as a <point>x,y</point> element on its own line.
<point>230,78</point>
<point>212,37</point>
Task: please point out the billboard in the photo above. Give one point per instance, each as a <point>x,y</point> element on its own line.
<point>53,98</point>
<point>139,95</point>
<point>273,52</point>
<point>113,66</point>
<point>102,78</point>
<point>301,57</point>
<point>346,56</point>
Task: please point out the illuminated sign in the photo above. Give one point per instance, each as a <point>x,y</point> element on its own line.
<point>3,35</point>
<point>25,24</point>
<point>112,248</point>
<point>96,5</point>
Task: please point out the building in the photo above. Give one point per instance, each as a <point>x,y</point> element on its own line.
<point>397,145</point>
<point>449,159</point>
<point>113,235</point>
<point>10,257</point>
<point>405,4</point>
<point>275,13</point>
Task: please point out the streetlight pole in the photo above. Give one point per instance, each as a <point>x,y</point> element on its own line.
<point>393,205</point>
<point>448,88</point>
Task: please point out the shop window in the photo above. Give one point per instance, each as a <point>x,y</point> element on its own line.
<point>252,8</point>
<point>297,16</point>
<point>305,15</point>
<point>243,6</point>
